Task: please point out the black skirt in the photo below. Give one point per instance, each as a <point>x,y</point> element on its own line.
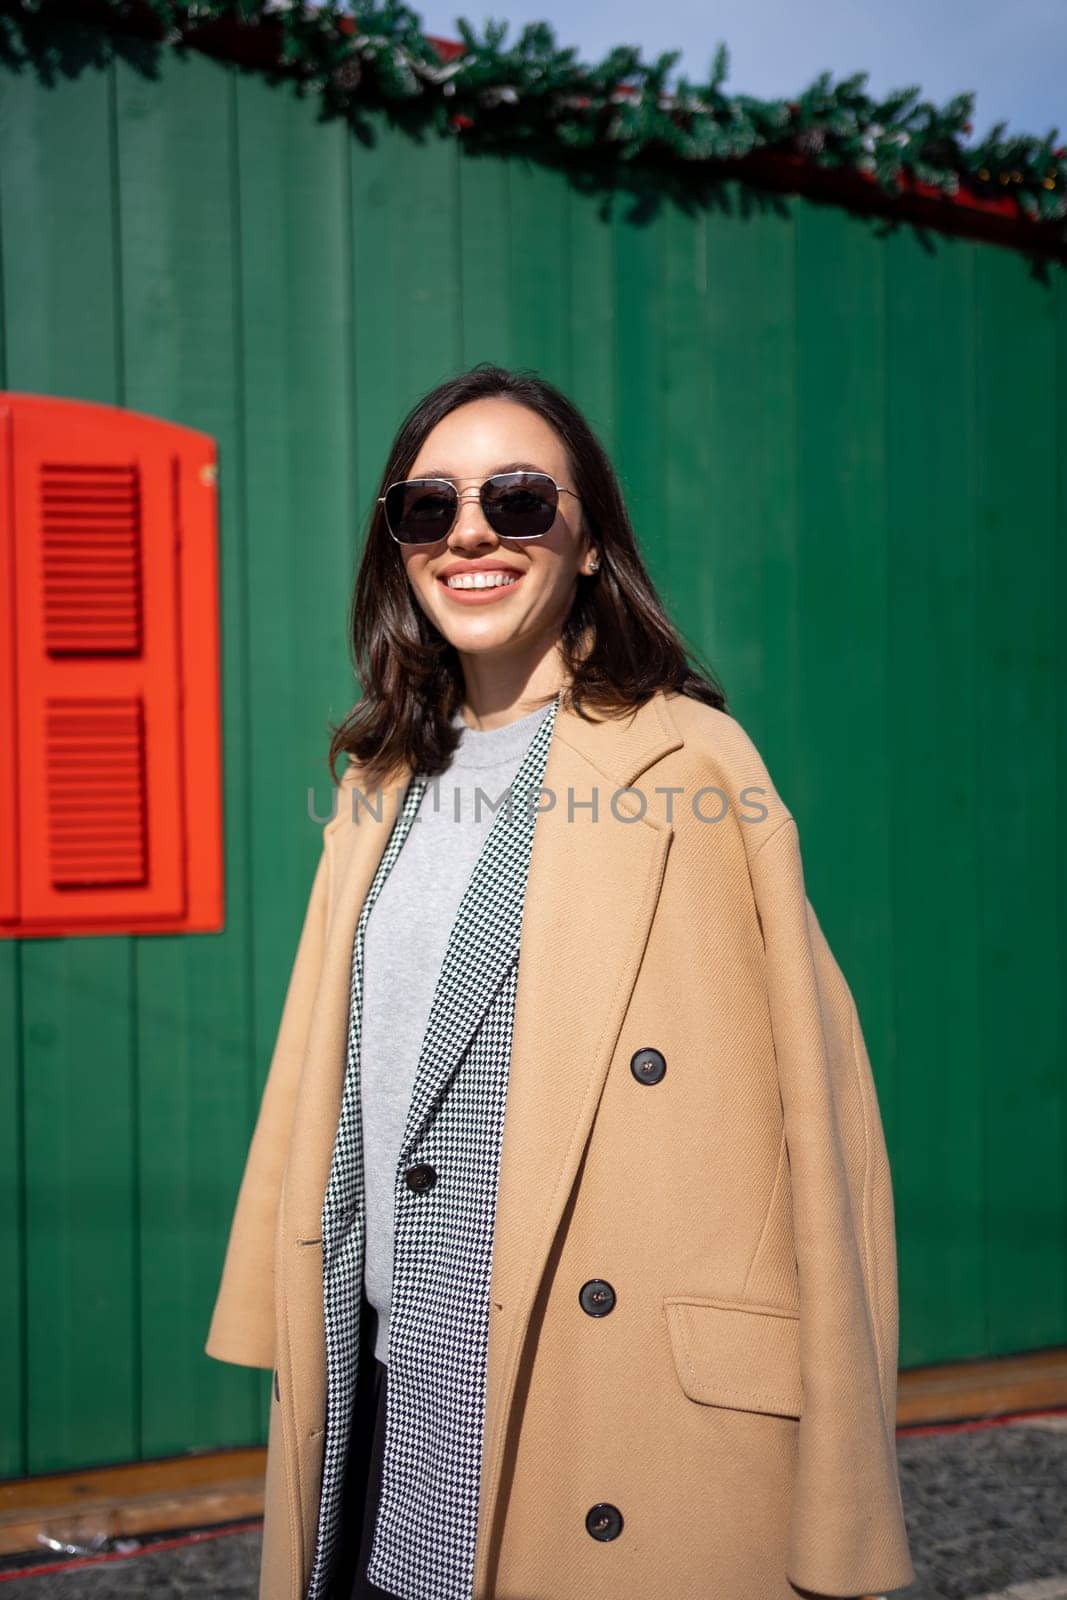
<point>363,1471</point>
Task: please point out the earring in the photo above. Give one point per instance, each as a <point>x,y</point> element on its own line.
<point>593,565</point>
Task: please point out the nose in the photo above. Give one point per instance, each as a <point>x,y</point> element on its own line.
<point>470,528</point>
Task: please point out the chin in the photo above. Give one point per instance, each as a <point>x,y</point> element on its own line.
<point>480,644</point>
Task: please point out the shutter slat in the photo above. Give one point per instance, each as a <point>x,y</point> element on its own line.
<point>85,733</point>
<point>86,517</point>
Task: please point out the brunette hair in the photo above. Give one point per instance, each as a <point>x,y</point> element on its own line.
<point>617,645</point>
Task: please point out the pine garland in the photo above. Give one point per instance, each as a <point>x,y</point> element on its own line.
<point>534,93</point>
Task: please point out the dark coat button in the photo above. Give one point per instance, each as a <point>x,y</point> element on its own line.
<point>420,1177</point>
<point>597,1297</point>
<point>647,1066</point>
<point>604,1521</point>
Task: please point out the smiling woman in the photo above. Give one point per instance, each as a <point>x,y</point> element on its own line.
<point>567,1225</point>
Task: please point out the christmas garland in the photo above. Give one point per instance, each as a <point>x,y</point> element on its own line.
<point>533,94</point>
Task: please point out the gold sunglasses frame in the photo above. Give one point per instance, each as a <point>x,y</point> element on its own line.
<point>476,491</point>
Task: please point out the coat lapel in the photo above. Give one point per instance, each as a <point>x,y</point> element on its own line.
<point>578,964</point>
<point>363,825</point>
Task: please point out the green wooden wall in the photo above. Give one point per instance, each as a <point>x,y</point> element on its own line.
<point>843,449</point>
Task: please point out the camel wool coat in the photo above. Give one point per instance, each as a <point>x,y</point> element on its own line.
<point>692,1139</point>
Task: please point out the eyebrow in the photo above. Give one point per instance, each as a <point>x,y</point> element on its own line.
<point>510,466</point>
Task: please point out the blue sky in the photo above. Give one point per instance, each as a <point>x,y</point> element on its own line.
<point>1013,57</point>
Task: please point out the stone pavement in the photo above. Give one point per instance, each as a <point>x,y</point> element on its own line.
<point>986,1509</point>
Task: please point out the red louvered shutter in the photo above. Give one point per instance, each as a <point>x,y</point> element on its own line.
<point>111,807</point>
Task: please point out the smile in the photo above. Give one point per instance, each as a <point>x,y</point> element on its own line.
<point>480,588</point>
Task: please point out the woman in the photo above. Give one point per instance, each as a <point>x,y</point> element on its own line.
<point>638,1338</point>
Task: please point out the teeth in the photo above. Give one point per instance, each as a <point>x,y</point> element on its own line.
<point>480,580</point>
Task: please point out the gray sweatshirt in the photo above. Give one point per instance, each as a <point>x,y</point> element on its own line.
<point>404,946</point>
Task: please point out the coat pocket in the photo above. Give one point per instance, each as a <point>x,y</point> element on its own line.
<point>731,1353</point>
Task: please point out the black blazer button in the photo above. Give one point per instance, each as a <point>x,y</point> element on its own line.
<point>647,1066</point>
<point>420,1177</point>
<point>604,1521</point>
<point>597,1297</point>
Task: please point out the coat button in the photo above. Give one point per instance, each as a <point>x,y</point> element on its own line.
<point>420,1177</point>
<point>597,1297</point>
<point>647,1066</point>
<point>604,1521</point>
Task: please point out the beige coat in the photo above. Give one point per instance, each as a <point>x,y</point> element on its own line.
<point>737,1405</point>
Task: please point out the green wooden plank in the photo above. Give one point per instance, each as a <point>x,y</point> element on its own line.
<point>539,271</point>
<point>589,375</point>
<point>59,261</point>
<point>56,166</point>
<point>1017,776</point>
<point>12,1220</point>
<point>483,261</point>
<point>737,441</point>
<point>770,244</point>
<point>686,507</point>
<point>1056,1271</point>
<point>79,1009</point>
<point>936,1137</point>
<point>842,789</point>
<point>592,301</point>
<point>640,435</point>
<point>193,1013</point>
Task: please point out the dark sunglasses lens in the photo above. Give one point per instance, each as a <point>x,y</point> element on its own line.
<point>420,511</point>
<point>520,505</point>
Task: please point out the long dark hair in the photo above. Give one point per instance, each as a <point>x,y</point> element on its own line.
<point>617,645</point>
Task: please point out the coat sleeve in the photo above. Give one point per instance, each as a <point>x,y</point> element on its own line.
<point>242,1324</point>
<point>847,1533</point>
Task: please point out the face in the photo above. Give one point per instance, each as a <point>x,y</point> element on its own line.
<point>518,622</point>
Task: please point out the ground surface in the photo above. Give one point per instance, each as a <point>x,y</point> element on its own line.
<point>986,1511</point>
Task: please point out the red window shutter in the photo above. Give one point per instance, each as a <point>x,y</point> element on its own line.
<point>110,802</point>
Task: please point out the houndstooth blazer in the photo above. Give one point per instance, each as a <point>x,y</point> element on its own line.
<point>444,1201</point>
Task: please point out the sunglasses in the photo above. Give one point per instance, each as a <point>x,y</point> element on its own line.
<point>516,505</point>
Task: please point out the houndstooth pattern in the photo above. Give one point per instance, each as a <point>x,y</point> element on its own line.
<point>426,1532</point>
